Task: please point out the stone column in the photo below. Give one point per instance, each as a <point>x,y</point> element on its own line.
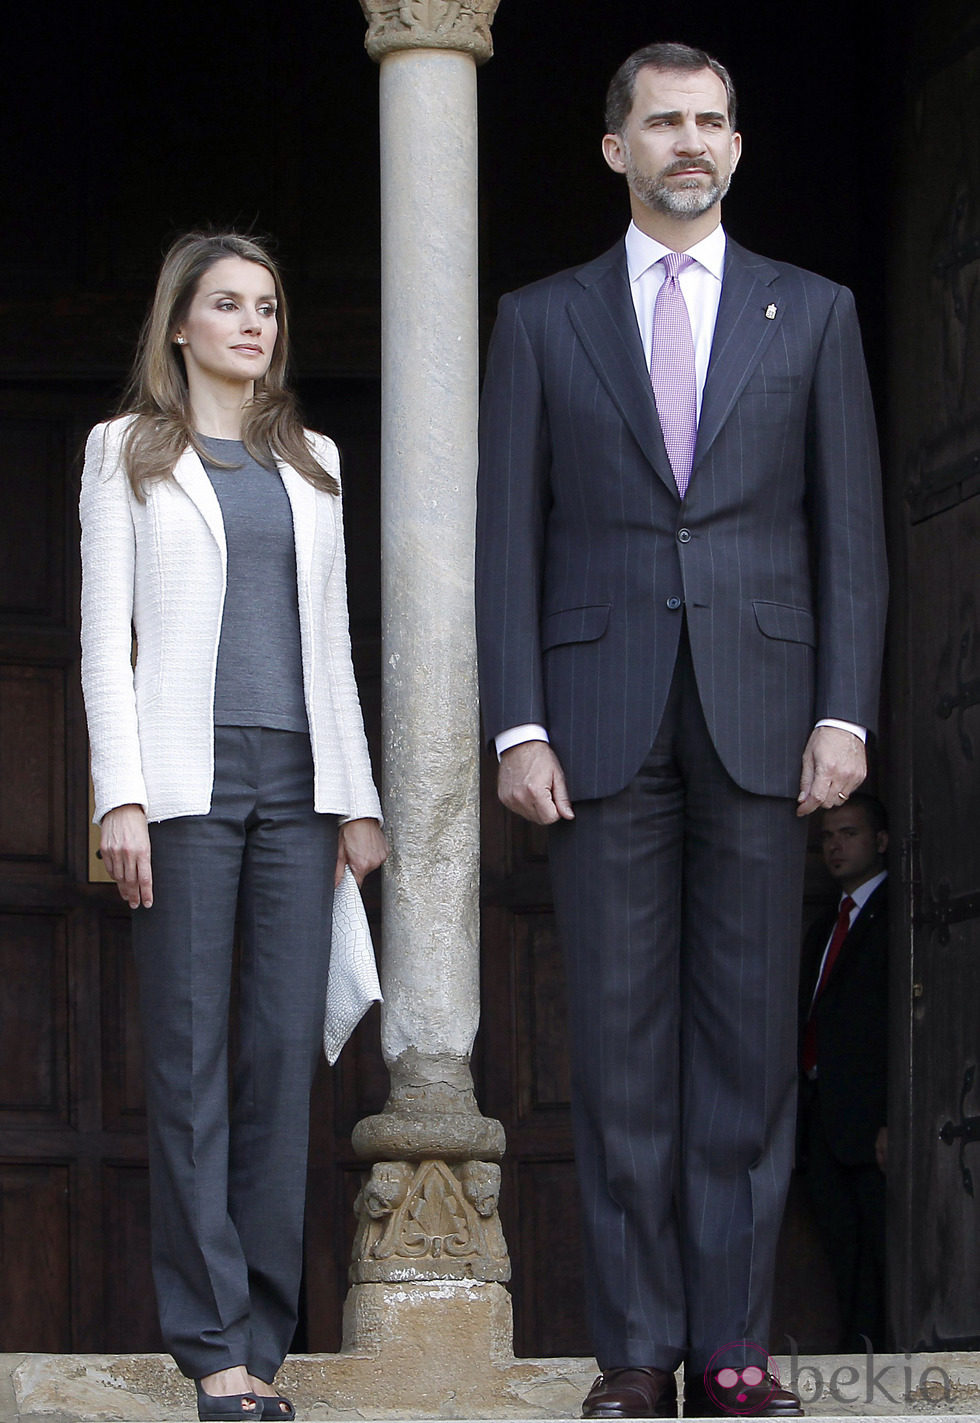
<point>429,1248</point>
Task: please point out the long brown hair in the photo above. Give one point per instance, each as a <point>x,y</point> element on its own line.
<point>157,394</point>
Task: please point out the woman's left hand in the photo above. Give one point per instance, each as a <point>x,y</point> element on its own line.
<point>362,845</point>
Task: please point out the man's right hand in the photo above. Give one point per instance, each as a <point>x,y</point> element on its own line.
<point>531,782</point>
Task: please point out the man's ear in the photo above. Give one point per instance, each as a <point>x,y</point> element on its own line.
<point>736,149</point>
<point>881,841</point>
<point>614,152</point>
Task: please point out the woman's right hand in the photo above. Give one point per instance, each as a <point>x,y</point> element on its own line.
<point>125,850</point>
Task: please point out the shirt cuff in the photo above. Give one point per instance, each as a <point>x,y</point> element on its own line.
<point>514,735</point>
<point>861,732</point>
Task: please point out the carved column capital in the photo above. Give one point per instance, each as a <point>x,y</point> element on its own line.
<point>429,24</point>
<point>428,1220</point>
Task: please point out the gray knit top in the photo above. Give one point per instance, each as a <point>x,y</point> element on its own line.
<point>260,660</point>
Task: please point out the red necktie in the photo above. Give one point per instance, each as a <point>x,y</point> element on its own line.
<point>808,1054</point>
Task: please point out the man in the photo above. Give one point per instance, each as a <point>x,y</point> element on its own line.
<point>680,594</point>
<point>844,1059</point>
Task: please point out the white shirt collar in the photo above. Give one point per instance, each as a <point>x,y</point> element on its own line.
<point>863,893</point>
<point>643,251</point>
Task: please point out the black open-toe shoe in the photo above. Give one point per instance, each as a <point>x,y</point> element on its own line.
<point>277,1407</point>
<point>217,1406</point>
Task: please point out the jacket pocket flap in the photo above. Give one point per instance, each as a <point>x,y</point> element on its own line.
<point>791,624</point>
<point>574,625</point>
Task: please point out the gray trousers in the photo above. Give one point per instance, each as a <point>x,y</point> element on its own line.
<point>678,902</point>
<point>228,1167</point>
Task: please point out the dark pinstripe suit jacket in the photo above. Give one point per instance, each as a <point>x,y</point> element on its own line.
<point>586,554</point>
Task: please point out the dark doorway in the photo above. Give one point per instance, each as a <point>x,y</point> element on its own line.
<point>271,121</point>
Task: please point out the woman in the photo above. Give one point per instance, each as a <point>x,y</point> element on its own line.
<point>231,779</point>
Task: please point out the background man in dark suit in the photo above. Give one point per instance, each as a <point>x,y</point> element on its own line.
<point>844,1066</point>
<point>680,595</point>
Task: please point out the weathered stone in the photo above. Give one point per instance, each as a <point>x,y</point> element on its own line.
<point>447,1345</point>
<point>429,1222</point>
<point>430,376</point>
<point>431,24</point>
<point>431,1111</point>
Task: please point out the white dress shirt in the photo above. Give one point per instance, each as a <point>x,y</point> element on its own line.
<point>700,284</point>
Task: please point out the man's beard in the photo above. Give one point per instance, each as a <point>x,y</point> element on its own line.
<point>690,201</point>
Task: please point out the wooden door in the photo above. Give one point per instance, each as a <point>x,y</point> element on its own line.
<point>523,1079</point>
<point>74,1237</point>
<point>934,1117</point>
<point>73,1233</point>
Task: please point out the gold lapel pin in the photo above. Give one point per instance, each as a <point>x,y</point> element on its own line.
<point>771,311</point>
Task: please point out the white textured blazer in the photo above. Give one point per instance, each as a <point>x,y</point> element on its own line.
<point>159,567</point>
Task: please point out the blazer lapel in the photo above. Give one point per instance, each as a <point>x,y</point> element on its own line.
<point>604,319</point>
<point>742,333</point>
<point>302,498</point>
<point>190,474</point>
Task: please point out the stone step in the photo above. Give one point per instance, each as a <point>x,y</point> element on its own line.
<point>147,1388</point>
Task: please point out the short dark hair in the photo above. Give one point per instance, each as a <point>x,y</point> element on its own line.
<point>875,813</point>
<point>619,96</point>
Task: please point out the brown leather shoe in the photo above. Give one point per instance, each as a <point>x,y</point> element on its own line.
<point>762,1398</point>
<point>632,1393</point>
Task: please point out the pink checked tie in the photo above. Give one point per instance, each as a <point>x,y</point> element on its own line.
<point>672,370</point>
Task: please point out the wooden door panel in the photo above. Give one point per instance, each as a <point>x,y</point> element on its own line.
<point>934,1158</point>
<point>944,1041</point>
<point>540,1217</point>
<point>35,1235</point>
<point>543,1071</point>
<point>523,1079</point>
<point>34,1089</point>
<point>945,693</point>
<point>123,1095</point>
<point>32,571</point>
<point>33,833</point>
<point>129,1307</point>
<point>52,1141</point>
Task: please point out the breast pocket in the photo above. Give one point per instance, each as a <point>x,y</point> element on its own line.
<point>767,385</point>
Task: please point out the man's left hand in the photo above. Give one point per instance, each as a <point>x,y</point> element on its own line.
<point>834,764</point>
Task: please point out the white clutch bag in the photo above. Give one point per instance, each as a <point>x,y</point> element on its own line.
<point>352,984</point>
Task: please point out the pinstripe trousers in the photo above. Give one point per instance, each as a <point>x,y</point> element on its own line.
<point>678,903</point>
<point>228,1167</point>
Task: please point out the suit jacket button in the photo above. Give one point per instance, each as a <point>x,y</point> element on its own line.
<point>684,536</point>
<point>673,604</point>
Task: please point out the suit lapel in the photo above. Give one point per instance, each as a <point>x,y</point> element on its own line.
<point>302,499</point>
<point>743,331</point>
<point>190,474</point>
<point>604,319</point>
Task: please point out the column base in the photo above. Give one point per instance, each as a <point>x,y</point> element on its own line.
<point>408,1364</point>
<point>443,1350</point>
